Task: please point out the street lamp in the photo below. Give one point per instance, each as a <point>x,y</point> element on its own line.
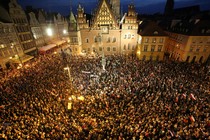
<point>68,69</point>
<point>13,46</point>
<point>49,31</point>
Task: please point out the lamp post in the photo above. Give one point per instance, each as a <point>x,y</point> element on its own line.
<point>68,69</point>
<point>13,46</point>
<point>103,61</point>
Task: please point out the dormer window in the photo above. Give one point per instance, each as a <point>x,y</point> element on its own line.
<point>155,32</point>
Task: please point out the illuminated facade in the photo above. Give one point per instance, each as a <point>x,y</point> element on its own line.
<point>152,41</point>
<point>104,32</point>
<point>22,28</point>
<point>36,30</point>
<point>189,41</point>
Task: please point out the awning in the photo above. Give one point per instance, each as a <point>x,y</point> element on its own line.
<point>58,42</point>
<point>24,58</point>
<point>47,47</point>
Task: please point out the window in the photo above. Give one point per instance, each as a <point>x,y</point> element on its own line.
<point>155,32</point>
<point>114,39</point>
<point>204,50</point>
<point>125,36</point>
<point>124,47</point>
<point>87,41</point>
<point>154,40</point>
<point>161,40</point>
<point>191,48</point>
<point>152,48</point>
<point>159,48</point>
<point>108,39</point>
<point>114,49</point>
<point>198,49</point>
<point>133,47</point>
<point>145,48</point>
<point>129,36</point>
<point>108,48</point>
<point>100,49</point>
<point>129,46</point>
<point>146,40</point>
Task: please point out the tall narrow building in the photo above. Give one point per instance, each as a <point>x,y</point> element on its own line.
<point>22,28</point>
<point>169,7</point>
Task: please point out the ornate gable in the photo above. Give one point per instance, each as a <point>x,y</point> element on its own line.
<point>104,16</point>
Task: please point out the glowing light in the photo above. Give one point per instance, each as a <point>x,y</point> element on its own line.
<point>55,52</point>
<point>10,57</point>
<point>81,98</point>
<point>49,32</point>
<point>138,52</point>
<point>64,31</point>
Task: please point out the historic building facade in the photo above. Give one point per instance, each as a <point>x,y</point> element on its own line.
<point>189,41</point>
<point>105,32</point>
<point>152,41</point>
<point>22,28</point>
<point>36,30</point>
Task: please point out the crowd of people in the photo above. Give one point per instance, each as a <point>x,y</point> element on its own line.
<point>129,100</point>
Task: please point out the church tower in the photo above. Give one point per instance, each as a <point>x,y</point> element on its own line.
<point>169,7</point>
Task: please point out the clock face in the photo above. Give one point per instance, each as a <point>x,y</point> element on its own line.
<point>105,29</point>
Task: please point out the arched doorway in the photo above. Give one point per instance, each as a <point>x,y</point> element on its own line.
<point>193,60</point>
<point>157,58</point>
<point>188,58</point>
<point>8,65</point>
<point>201,59</point>
<point>144,58</point>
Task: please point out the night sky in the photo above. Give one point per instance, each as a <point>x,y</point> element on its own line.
<point>142,6</point>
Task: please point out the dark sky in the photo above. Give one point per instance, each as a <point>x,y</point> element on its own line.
<point>142,6</point>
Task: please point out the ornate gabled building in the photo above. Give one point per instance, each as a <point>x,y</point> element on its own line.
<point>36,30</point>
<point>22,28</point>
<point>104,32</point>
<point>10,48</point>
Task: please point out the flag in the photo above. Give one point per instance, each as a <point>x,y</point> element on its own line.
<point>184,95</point>
<point>192,96</point>
<point>192,118</point>
<point>172,134</point>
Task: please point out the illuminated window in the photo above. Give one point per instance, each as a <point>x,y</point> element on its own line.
<point>124,47</point>
<point>161,40</point>
<point>198,49</point>
<point>129,46</point>
<point>146,40</point>
<point>87,41</point>
<point>160,48</point>
<point>114,48</point>
<point>114,39</point>
<point>129,36</point>
<point>152,48</point>
<point>145,48</point>
<point>108,39</point>
<point>191,48</point>
<point>154,40</point>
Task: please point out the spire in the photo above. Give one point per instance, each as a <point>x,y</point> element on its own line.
<point>169,7</point>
